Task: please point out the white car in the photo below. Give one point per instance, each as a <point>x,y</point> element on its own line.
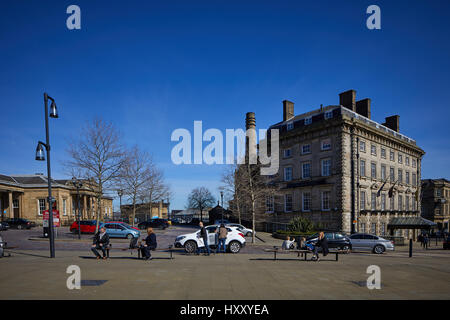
<point>191,241</point>
<point>246,231</point>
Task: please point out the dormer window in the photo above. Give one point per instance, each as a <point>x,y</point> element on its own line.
<point>308,121</point>
<point>290,126</point>
<point>328,114</point>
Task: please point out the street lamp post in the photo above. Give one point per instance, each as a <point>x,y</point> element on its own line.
<point>120,194</point>
<point>41,157</point>
<point>77,184</point>
<point>169,216</point>
<point>221,197</point>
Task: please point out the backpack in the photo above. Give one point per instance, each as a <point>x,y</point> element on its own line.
<point>133,243</point>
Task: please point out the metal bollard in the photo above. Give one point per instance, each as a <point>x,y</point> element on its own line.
<point>410,247</point>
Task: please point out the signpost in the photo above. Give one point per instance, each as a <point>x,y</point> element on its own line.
<point>45,217</point>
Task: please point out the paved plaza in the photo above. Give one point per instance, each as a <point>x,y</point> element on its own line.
<point>251,274</point>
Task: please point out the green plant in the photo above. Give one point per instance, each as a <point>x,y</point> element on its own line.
<point>300,224</point>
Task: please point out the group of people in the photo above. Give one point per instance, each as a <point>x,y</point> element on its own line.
<point>322,242</point>
<point>424,240</point>
<point>101,242</point>
<point>221,232</point>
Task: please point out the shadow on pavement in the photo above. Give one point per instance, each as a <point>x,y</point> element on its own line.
<point>123,258</point>
<point>27,254</point>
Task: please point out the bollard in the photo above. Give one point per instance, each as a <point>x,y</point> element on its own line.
<point>410,247</point>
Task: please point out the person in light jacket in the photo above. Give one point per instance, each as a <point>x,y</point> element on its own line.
<point>223,232</point>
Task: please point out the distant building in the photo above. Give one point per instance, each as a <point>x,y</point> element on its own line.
<point>333,162</point>
<point>143,213</point>
<point>25,196</point>
<point>436,202</point>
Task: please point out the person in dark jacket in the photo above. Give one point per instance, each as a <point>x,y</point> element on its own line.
<point>204,236</point>
<point>148,244</point>
<point>101,241</point>
<point>322,242</point>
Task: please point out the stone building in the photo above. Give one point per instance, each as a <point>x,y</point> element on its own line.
<point>338,167</point>
<point>436,202</point>
<point>143,213</point>
<point>25,196</point>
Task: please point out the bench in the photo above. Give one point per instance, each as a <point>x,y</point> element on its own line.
<point>304,252</point>
<point>170,248</point>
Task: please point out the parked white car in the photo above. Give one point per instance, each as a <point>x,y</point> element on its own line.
<point>246,231</point>
<point>191,241</point>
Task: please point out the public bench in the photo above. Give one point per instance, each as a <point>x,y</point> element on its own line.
<point>131,249</point>
<point>304,252</point>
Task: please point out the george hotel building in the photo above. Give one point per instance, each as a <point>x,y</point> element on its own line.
<point>345,171</point>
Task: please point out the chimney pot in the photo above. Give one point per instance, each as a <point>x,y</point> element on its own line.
<point>393,122</point>
<point>363,107</point>
<point>347,99</point>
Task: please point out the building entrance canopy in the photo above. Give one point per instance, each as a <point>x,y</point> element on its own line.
<point>411,223</point>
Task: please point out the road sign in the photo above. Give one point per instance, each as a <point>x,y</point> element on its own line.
<point>45,217</point>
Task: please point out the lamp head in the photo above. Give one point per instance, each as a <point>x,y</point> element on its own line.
<point>53,110</point>
<point>40,155</point>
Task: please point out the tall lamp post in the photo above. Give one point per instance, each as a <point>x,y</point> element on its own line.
<point>77,184</point>
<point>120,194</point>
<point>40,156</point>
<point>221,197</point>
<point>168,211</point>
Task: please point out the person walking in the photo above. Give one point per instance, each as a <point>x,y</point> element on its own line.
<point>425,241</point>
<point>204,237</point>
<point>101,241</point>
<point>420,239</point>
<point>223,232</point>
<point>322,242</point>
<point>148,244</point>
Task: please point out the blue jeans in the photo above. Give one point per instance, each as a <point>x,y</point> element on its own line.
<point>206,247</point>
<point>221,244</point>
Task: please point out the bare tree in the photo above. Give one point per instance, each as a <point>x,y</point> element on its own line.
<point>134,175</point>
<point>155,189</point>
<point>230,186</point>
<point>97,155</point>
<point>200,198</point>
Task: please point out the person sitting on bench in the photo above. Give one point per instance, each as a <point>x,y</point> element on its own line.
<point>148,244</point>
<point>101,241</point>
<point>287,244</point>
<point>322,242</point>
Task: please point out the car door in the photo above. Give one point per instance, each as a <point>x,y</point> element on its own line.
<point>212,236</point>
<point>121,231</point>
<point>369,242</point>
<point>110,229</point>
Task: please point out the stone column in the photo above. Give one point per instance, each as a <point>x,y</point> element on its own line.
<point>84,211</point>
<point>10,205</point>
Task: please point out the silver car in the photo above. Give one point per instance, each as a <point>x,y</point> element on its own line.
<point>370,242</point>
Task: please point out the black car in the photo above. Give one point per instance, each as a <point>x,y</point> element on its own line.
<point>154,223</point>
<point>19,223</point>
<point>336,240</point>
<point>4,226</point>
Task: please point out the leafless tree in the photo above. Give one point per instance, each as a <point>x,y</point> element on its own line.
<point>230,186</point>
<point>97,155</point>
<point>155,189</point>
<point>200,198</point>
<point>134,176</point>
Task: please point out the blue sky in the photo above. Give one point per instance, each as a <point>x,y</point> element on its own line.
<point>153,66</point>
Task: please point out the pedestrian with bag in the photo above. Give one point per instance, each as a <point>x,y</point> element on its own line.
<point>223,232</point>
<point>204,237</point>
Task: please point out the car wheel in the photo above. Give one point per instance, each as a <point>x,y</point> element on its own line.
<point>345,248</point>
<point>378,249</point>
<point>19,227</point>
<point>249,234</point>
<point>190,246</point>
<point>130,236</point>
<point>234,247</point>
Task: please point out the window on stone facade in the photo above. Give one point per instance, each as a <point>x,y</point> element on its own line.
<point>407,161</point>
<point>288,174</point>
<point>383,202</point>
<point>373,170</point>
<point>362,200</point>
<point>269,204</point>
<point>362,146</point>
<point>407,177</point>
<point>383,172</point>
<point>15,203</point>
<point>362,168</point>
<point>288,202</point>
<point>306,148</point>
<point>373,228</point>
<point>326,200</point>
<point>373,150</point>
<point>391,204</point>
<point>407,203</point>
<point>400,202</point>
<point>362,227</point>
<point>290,126</point>
<point>64,204</point>
<point>308,121</point>
<point>414,204</point>
<point>400,175</point>
<point>326,167</point>
<point>383,153</point>
<point>383,228</point>
<point>41,206</point>
<point>392,155</point>
<point>414,163</point>
<point>438,192</point>
<point>306,170</point>
<point>287,153</point>
<point>373,202</point>
<point>328,114</point>
<point>392,174</point>
<point>306,201</point>
<point>400,158</point>
<point>326,144</point>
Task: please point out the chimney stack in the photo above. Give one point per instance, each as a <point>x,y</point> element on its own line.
<point>250,121</point>
<point>288,110</point>
<point>347,99</point>
<point>393,122</point>
<point>363,107</point>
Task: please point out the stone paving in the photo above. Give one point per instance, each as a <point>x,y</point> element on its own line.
<point>251,274</point>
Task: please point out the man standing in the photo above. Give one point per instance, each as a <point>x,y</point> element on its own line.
<point>148,244</point>
<point>223,232</point>
<point>101,241</point>
<point>204,236</point>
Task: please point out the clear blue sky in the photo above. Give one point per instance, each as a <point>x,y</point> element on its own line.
<point>153,66</point>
